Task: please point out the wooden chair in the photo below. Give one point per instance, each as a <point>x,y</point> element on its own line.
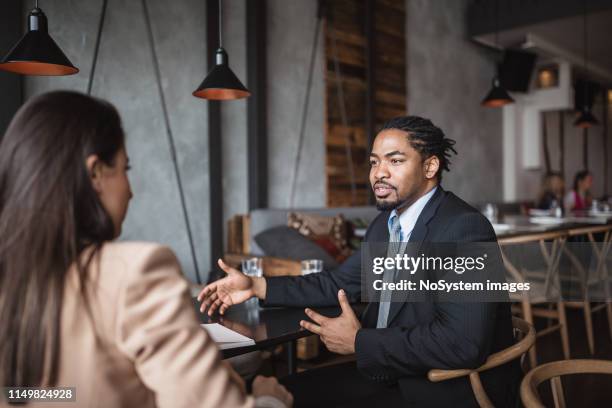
<point>494,360</point>
<point>544,284</point>
<point>587,278</point>
<point>553,371</point>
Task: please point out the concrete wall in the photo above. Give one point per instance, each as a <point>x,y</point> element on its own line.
<point>125,76</point>
<point>447,78</point>
<point>291,27</point>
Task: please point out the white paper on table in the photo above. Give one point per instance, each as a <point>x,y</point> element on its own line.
<point>226,338</point>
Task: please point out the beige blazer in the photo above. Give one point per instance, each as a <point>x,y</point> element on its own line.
<point>151,350</point>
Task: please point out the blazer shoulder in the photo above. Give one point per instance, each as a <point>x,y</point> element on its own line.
<point>378,229</point>
<point>453,207</point>
<point>455,212</point>
<point>135,257</point>
<point>135,249</point>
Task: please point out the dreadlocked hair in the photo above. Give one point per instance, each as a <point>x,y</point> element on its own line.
<point>426,138</point>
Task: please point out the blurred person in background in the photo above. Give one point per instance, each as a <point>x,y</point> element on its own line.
<point>113,319</point>
<point>552,191</point>
<point>580,198</point>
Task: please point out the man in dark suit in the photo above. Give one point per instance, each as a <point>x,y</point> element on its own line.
<point>395,343</point>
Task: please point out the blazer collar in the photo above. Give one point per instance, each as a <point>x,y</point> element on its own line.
<point>420,228</point>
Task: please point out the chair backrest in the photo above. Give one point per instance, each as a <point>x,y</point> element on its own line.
<point>601,248</point>
<point>550,245</point>
<point>504,356</point>
<point>553,371</point>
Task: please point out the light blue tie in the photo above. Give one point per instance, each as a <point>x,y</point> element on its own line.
<point>395,242</point>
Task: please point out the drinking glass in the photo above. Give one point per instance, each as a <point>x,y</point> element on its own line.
<point>311,266</point>
<point>252,267</point>
<point>490,211</point>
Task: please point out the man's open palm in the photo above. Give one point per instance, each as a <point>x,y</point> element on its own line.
<point>233,289</point>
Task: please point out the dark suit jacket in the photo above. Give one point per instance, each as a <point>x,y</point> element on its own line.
<point>425,335</point>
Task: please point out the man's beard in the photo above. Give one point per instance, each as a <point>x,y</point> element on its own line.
<point>387,205</point>
<point>384,205</point>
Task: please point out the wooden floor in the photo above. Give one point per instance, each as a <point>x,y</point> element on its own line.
<point>580,391</point>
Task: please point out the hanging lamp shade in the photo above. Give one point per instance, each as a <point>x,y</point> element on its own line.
<point>36,53</point>
<point>497,96</point>
<point>221,83</point>
<point>586,119</point>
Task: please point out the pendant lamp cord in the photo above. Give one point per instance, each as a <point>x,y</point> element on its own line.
<point>220,25</point>
<point>313,56</point>
<point>94,63</point>
<point>496,23</point>
<point>36,3</point>
<point>170,139</point>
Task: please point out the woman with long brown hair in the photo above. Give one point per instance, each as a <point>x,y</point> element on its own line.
<point>113,319</point>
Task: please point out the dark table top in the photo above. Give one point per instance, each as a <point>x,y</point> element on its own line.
<point>267,326</point>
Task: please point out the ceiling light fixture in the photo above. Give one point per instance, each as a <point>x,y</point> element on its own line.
<point>36,53</point>
<point>497,96</point>
<point>221,83</point>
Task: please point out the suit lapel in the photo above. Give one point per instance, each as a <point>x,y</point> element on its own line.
<point>379,233</point>
<point>418,236</point>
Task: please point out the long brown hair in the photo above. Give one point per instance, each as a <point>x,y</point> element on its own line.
<point>49,212</point>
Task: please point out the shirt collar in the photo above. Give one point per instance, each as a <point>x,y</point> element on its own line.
<point>409,216</point>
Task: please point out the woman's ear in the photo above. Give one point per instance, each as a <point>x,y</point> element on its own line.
<point>94,168</point>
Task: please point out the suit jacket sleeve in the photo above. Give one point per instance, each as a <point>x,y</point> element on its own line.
<point>459,336</point>
<point>158,330</point>
<point>317,289</point>
<point>321,289</point>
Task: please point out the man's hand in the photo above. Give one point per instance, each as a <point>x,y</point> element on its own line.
<point>337,333</point>
<point>235,288</point>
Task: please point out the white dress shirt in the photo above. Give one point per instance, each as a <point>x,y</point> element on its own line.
<point>409,216</point>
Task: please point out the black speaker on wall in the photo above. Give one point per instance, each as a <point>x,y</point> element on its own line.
<point>516,69</point>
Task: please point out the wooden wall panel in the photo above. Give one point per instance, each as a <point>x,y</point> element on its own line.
<point>345,27</point>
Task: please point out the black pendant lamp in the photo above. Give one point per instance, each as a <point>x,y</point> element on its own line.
<point>221,83</point>
<point>497,96</point>
<point>36,53</point>
<point>585,119</point>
